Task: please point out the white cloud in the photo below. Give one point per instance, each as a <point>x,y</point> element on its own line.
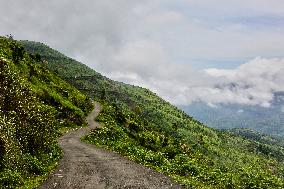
<point>157,44</point>
<point>241,7</point>
<point>189,31</point>
<point>253,83</point>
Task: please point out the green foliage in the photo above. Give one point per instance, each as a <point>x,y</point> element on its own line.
<point>34,104</point>
<point>10,178</point>
<point>34,165</point>
<point>209,158</point>
<point>147,129</point>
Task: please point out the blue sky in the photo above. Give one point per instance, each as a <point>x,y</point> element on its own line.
<point>189,45</point>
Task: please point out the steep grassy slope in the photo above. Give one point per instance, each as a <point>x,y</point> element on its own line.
<point>149,130</point>
<point>34,105</point>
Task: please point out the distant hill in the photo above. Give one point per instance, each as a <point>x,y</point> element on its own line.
<point>265,120</point>
<point>257,137</point>
<point>149,130</point>
<point>35,104</point>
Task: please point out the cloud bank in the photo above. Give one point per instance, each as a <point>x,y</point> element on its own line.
<point>252,83</point>
<point>184,50</point>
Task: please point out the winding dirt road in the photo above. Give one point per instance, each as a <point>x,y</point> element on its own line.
<point>89,167</point>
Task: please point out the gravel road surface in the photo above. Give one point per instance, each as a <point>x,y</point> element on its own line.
<point>87,166</point>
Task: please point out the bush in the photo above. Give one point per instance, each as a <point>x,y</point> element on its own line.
<point>10,178</point>
<point>34,165</point>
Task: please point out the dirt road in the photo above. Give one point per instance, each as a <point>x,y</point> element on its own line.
<point>86,166</point>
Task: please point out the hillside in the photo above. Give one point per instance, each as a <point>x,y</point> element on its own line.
<point>257,137</point>
<point>35,105</point>
<point>149,130</point>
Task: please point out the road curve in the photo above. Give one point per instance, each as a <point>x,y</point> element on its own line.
<point>89,167</point>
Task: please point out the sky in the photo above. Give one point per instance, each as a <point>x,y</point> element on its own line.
<point>211,51</point>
